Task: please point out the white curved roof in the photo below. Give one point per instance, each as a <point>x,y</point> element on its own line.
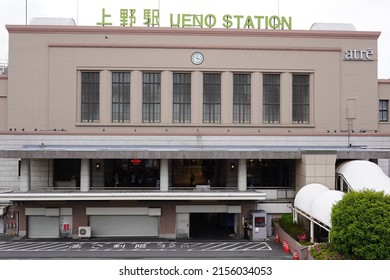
<point>317,201</point>
<point>363,174</point>
<point>306,196</point>
<point>321,208</point>
<point>333,26</point>
<point>52,21</point>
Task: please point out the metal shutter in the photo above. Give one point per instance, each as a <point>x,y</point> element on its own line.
<point>104,226</point>
<point>43,227</point>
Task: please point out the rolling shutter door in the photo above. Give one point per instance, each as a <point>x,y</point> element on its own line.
<point>43,227</point>
<point>105,226</point>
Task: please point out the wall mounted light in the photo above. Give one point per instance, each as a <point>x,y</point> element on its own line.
<point>97,166</point>
<point>232,166</point>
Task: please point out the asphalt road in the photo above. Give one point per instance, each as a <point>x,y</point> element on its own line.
<point>141,249</point>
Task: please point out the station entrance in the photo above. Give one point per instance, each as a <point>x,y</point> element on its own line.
<point>212,226</point>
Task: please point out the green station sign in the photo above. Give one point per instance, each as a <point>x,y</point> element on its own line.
<point>151,18</point>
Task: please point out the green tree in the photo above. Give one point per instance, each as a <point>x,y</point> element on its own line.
<point>361,225</point>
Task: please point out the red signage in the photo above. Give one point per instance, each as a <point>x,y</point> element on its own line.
<point>135,161</point>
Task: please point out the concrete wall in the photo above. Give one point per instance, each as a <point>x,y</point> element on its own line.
<point>45,65</point>
<point>316,168</point>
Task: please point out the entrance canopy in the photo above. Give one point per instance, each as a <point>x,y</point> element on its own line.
<point>364,174</point>
<point>316,201</point>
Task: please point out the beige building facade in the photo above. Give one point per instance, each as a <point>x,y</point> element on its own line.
<point>176,132</point>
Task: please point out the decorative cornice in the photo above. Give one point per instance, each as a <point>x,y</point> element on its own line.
<point>117,30</point>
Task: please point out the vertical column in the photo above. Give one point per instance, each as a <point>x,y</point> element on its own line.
<point>136,97</point>
<point>25,177</point>
<point>312,231</point>
<point>256,98</point>
<point>286,98</point>
<point>164,178</point>
<point>227,97</point>
<point>85,178</point>
<point>166,97</point>
<point>105,97</point>
<point>196,97</point>
<point>242,175</point>
<point>51,172</point>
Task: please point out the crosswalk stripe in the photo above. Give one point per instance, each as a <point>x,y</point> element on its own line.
<point>134,246</point>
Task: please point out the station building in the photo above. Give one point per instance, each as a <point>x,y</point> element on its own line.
<point>179,132</point>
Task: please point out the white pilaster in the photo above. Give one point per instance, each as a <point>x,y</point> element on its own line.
<point>85,177</point>
<point>242,180</point>
<point>164,178</point>
<point>25,177</point>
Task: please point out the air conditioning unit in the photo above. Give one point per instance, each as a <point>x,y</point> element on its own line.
<point>84,232</point>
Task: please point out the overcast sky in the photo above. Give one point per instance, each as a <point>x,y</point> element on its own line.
<point>365,15</point>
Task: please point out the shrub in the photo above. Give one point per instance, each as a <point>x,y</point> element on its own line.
<point>295,230</point>
<point>324,251</point>
<point>361,225</point>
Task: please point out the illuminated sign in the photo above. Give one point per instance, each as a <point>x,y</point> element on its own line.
<point>136,161</point>
<point>359,55</point>
<point>151,17</point>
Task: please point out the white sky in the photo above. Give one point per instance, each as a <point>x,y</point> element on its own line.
<point>365,15</point>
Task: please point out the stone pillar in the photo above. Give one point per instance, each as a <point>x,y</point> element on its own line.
<point>242,175</point>
<point>316,167</point>
<point>85,177</point>
<point>164,178</point>
<point>25,175</point>
<point>227,97</point>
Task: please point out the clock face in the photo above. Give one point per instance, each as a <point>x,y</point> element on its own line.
<point>197,58</point>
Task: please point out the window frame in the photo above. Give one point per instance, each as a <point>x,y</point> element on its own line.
<point>90,97</point>
<point>242,83</point>
<point>181,97</point>
<point>271,98</point>
<point>383,110</point>
<point>301,100</point>
<point>212,92</point>
<point>151,97</point>
<point>122,101</point>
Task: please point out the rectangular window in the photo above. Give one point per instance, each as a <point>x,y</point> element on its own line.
<point>241,98</point>
<point>211,97</point>
<point>181,97</point>
<point>151,98</point>
<point>301,92</point>
<point>120,97</point>
<point>383,110</point>
<point>90,96</point>
<point>271,98</point>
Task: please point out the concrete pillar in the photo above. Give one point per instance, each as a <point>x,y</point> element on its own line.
<point>316,168</point>
<point>166,97</point>
<point>164,176</point>
<point>227,97</point>
<point>242,175</point>
<point>136,97</point>
<point>286,98</point>
<point>311,231</point>
<point>256,98</point>
<point>25,175</point>
<point>197,97</point>
<point>105,87</point>
<point>85,177</point>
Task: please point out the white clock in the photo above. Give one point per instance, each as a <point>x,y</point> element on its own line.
<point>197,58</point>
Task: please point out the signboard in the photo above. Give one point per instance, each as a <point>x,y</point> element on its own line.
<point>359,54</point>
<point>151,18</point>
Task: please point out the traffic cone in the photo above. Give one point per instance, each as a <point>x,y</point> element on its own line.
<point>295,255</point>
<point>286,248</point>
<point>277,238</point>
